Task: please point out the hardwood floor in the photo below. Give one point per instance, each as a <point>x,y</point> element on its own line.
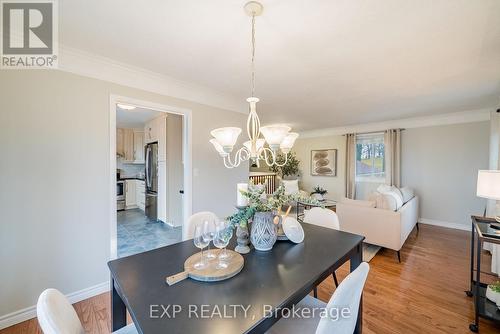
<point>423,294</point>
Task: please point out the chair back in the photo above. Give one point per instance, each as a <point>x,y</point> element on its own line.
<point>197,218</point>
<point>56,315</point>
<point>322,217</point>
<point>346,296</point>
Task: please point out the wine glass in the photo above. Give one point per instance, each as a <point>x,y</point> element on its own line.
<point>224,255</point>
<point>208,235</point>
<point>221,240</point>
<point>200,242</point>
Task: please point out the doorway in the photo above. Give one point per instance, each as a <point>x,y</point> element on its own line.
<point>150,159</point>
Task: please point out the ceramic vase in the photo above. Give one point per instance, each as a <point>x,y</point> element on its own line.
<point>263,233</point>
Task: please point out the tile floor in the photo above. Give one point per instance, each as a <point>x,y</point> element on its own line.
<point>136,233</point>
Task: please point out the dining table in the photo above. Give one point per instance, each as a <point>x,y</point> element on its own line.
<point>269,284</point>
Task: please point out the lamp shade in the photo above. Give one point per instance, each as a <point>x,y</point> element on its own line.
<point>287,143</point>
<point>217,146</point>
<point>259,144</point>
<point>488,184</point>
<point>226,137</point>
<point>274,134</point>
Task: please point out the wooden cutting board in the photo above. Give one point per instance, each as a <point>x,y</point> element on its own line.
<point>210,273</point>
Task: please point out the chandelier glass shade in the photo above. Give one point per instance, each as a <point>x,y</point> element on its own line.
<point>277,137</point>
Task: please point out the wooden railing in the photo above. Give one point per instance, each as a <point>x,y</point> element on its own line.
<point>269,179</point>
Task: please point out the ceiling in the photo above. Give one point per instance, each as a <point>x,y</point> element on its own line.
<point>136,118</point>
<point>319,64</point>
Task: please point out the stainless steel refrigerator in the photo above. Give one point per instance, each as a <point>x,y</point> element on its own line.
<point>152,181</point>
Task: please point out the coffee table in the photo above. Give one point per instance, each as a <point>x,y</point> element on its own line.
<point>301,206</point>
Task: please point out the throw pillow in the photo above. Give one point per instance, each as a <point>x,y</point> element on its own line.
<point>408,194</point>
<point>392,191</point>
<point>357,202</point>
<point>398,192</point>
<point>387,202</point>
<point>291,186</point>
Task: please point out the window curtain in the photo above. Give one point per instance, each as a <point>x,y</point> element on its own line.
<point>350,180</point>
<point>392,143</point>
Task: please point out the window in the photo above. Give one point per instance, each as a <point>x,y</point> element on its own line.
<point>370,157</point>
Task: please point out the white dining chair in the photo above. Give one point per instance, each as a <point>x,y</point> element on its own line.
<point>56,315</point>
<point>346,297</point>
<point>197,218</point>
<point>324,218</point>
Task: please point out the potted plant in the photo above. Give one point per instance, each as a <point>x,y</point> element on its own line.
<point>319,193</point>
<point>261,211</point>
<point>290,169</point>
<point>493,292</point>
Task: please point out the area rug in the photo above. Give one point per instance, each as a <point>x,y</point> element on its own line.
<point>369,251</point>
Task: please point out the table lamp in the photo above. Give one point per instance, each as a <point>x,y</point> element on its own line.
<point>488,186</point>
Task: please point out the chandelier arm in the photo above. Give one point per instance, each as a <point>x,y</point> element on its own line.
<point>284,163</point>
<point>265,156</point>
<point>227,162</point>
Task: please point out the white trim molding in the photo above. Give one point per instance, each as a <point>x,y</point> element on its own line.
<point>106,69</point>
<point>470,116</point>
<point>187,157</point>
<point>456,226</point>
<point>30,312</point>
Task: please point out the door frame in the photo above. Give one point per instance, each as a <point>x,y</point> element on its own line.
<point>187,157</point>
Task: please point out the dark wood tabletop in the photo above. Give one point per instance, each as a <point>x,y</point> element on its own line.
<point>278,278</point>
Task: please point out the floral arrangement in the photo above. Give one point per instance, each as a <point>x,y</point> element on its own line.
<point>259,202</point>
<point>319,190</point>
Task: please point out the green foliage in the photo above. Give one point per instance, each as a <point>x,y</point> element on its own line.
<point>495,286</point>
<point>319,190</point>
<point>291,168</point>
<point>258,202</point>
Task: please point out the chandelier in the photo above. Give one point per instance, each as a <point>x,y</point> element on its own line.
<point>277,137</point>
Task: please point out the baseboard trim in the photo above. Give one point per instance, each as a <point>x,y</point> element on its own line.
<point>441,223</point>
<point>30,312</point>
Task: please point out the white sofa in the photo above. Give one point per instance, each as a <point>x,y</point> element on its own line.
<point>381,227</point>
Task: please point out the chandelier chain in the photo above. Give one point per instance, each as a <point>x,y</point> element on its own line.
<point>253,55</point>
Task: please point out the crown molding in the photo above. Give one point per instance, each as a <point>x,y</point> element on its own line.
<point>98,67</point>
<point>470,116</point>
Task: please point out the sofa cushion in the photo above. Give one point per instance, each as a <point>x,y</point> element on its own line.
<point>291,186</point>
<point>408,194</point>
<point>357,202</point>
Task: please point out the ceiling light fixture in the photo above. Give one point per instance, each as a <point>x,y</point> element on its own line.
<point>125,106</point>
<point>277,137</point>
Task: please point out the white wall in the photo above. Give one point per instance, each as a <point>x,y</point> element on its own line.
<point>441,163</point>
<point>334,184</point>
<point>54,172</point>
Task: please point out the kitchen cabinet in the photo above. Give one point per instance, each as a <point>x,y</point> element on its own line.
<point>150,132</point>
<point>138,146</point>
<point>130,145</point>
<point>119,143</point>
<point>140,194</point>
<point>130,194</point>
<point>156,131</point>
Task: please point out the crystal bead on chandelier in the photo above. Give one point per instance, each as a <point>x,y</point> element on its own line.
<point>277,137</point>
